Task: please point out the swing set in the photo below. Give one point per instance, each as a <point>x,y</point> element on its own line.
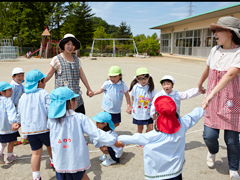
<point>103,49</point>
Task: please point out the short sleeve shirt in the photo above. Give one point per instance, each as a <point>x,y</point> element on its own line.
<point>119,82</point>
<point>56,64</point>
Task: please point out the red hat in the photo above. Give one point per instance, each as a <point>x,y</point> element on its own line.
<point>167,121</point>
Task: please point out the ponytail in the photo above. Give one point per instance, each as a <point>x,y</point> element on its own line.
<point>133,83</point>
<point>151,84</point>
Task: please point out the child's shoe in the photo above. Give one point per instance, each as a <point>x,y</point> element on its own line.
<point>108,162</point>
<point>25,141</point>
<point>10,159</point>
<point>210,159</point>
<point>103,157</point>
<point>37,178</point>
<point>17,143</point>
<point>2,159</point>
<point>234,175</point>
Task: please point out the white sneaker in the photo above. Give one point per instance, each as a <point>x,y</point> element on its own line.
<point>2,159</point>
<point>10,159</point>
<point>108,162</point>
<point>103,157</point>
<point>234,175</point>
<point>210,159</point>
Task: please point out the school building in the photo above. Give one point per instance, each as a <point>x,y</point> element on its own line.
<point>191,36</point>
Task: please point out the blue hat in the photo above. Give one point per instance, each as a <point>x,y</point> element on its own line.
<point>104,117</point>
<point>59,98</point>
<point>4,86</point>
<point>32,78</point>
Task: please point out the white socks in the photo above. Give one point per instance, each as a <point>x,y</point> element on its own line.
<point>36,174</point>
<point>2,147</point>
<point>24,136</point>
<point>9,154</point>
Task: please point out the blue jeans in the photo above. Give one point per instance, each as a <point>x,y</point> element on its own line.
<point>231,139</point>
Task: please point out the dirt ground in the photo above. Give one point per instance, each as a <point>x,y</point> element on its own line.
<point>186,72</point>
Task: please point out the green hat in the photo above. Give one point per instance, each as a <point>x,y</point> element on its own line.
<point>141,71</point>
<point>114,71</point>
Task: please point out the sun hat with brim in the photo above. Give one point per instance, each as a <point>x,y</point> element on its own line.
<point>141,71</point>
<point>114,71</point>
<point>59,97</point>
<point>32,78</point>
<point>68,37</point>
<point>167,77</point>
<point>5,85</point>
<point>167,121</point>
<point>104,117</point>
<point>17,70</point>
<point>226,23</point>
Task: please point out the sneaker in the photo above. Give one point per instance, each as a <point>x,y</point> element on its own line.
<point>17,143</point>
<point>2,159</point>
<point>103,157</point>
<point>108,162</point>
<point>210,159</point>
<point>25,141</point>
<point>51,164</point>
<point>10,159</point>
<point>140,146</point>
<point>234,175</point>
<point>37,178</point>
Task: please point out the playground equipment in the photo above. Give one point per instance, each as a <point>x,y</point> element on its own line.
<point>8,51</point>
<point>102,50</point>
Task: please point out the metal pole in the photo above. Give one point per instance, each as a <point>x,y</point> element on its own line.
<point>92,49</point>
<point>114,48</point>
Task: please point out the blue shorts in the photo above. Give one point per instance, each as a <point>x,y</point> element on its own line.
<point>143,122</point>
<point>70,176</point>
<point>116,118</point>
<point>5,138</point>
<point>112,154</point>
<point>37,140</point>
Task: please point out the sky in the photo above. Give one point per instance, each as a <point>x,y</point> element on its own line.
<point>141,16</point>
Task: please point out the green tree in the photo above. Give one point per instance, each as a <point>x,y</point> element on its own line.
<point>124,30</point>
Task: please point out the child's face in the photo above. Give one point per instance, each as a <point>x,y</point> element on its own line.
<point>100,125</point>
<point>69,47</point>
<point>223,37</point>
<point>115,79</point>
<point>142,79</point>
<point>42,84</point>
<point>7,93</point>
<point>18,77</point>
<point>167,86</point>
<point>73,104</point>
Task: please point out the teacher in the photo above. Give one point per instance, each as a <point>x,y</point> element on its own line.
<point>68,69</point>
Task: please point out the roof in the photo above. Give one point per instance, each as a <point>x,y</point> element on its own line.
<point>203,16</point>
<point>46,33</point>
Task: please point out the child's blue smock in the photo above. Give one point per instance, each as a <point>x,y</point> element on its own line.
<point>142,101</point>
<point>69,147</point>
<point>7,115</point>
<point>113,96</point>
<point>118,150</point>
<point>18,90</point>
<point>33,112</point>
<point>164,153</point>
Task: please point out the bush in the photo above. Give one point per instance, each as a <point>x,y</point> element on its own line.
<point>86,54</point>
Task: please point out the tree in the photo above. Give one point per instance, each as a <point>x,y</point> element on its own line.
<point>124,31</point>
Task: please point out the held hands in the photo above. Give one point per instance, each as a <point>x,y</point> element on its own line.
<point>90,93</point>
<point>201,89</point>
<point>119,144</point>
<point>129,109</point>
<point>15,126</point>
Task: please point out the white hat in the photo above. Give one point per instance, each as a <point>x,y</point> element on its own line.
<point>17,70</point>
<point>68,37</point>
<point>167,77</point>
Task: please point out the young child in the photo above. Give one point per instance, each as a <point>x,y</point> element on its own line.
<point>114,89</point>
<point>69,147</point>
<point>104,122</point>
<point>167,83</point>
<point>142,91</point>
<point>18,90</point>
<point>7,119</point>
<point>33,111</point>
<point>163,148</point>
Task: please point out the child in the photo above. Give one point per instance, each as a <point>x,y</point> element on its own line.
<point>7,118</point>
<point>167,83</point>
<point>113,89</point>
<point>32,111</point>
<point>163,148</point>
<point>142,91</point>
<point>104,122</point>
<point>18,90</point>
<point>223,93</point>
<point>69,147</point>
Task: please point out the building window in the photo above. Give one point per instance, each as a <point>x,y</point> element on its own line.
<point>207,34</point>
<point>197,38</point>
<point>165,45</point>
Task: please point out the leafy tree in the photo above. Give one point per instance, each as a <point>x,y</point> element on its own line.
<point>124,30</point>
